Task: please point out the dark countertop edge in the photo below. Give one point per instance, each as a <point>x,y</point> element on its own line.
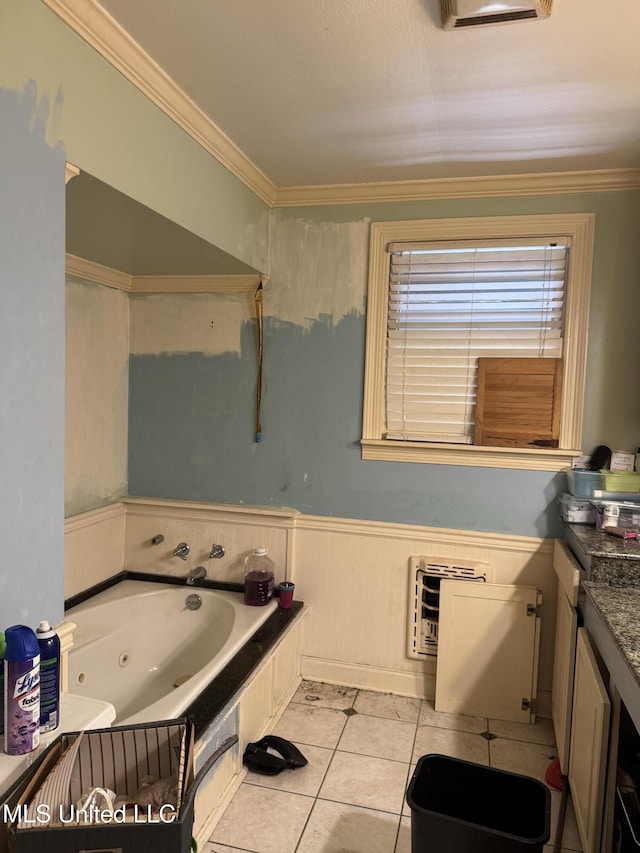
<point>217,694</point>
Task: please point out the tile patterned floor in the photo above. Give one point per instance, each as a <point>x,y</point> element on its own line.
<point>362,748</point>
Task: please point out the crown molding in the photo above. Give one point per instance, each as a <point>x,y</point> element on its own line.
<point>70,171</point>
<point>109,277</point>
<point>97,273</point>
<point>93,24</point>
<point>548,183</point>
<point>195,283</point>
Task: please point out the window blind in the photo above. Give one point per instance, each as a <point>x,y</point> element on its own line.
<point>450,304</point>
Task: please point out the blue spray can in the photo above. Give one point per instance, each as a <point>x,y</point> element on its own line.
<point>49,644</point>
<point>2,645</point>
<point>21,691</point>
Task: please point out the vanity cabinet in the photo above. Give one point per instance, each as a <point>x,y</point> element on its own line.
<point>596,685</point>
<point>588,745</point>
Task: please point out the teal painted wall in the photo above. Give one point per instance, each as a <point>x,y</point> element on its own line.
<point>192,414</point>
<point>31,363</point>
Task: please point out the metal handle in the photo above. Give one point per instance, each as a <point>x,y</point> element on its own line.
<point>157,539</point>
<point>182,551</point>
<point>217,551</point>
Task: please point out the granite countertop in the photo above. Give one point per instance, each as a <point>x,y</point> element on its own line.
<point>618,607</point>
<point>595,543</point>
<point>606,559</point>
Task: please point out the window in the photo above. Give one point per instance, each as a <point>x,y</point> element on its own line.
<point>443,293</point>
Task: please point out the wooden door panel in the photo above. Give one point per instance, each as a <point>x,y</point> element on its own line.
<point>588,753</point>
<point>487,650</point>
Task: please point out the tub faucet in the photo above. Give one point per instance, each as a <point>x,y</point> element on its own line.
<point>197,574</point>
<point>182,551</point>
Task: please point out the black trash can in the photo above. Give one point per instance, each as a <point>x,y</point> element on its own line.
<point>469,808</point>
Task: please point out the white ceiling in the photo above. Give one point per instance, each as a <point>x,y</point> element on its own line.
<point>318,92</point>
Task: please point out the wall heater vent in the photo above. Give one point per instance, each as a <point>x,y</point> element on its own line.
<point>423,611</point>
<point>475,13</point>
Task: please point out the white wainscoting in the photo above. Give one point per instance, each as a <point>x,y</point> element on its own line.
<point>353,576</point>
<point>93,547</point>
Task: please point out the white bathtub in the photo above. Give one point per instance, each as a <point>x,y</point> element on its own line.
<point>134,641</point>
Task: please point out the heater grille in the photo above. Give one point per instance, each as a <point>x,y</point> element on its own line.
<point>475,13</point>
<point>423,611</point>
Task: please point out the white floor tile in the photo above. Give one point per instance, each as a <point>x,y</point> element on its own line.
<point>361,780</point>
<point>350,798</point>
<point>303,780</point>
<point>313,726</point>
<point>336,827</point>
<point>457,744</point>
<point>325,695</point>
<point>387,705</point>
<point>262,820</point>
<point>378,736</point>
<point>403,844</point>
<point>460,722</point>
<point>529,759</point>
<point>540,732</point>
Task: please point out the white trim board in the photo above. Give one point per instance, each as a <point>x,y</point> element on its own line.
<point>109,277</point>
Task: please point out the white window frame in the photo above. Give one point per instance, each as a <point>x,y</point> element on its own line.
<point>580,227</point>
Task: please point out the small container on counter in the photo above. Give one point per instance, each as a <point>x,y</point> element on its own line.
<point>622,460</point>
<point>576,510</point>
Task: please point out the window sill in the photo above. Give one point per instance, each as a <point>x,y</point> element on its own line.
<point>471,455</point>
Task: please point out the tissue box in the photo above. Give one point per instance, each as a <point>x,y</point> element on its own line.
<point>116,758</point>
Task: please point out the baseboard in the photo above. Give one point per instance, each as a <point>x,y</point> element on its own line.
<point>416,685</point>
<point>419,685</point>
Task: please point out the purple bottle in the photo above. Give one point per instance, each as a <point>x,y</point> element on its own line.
<point>21,691</point>
<point>258,581</point>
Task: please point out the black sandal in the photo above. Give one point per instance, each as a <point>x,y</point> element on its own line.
<point>259,760</point>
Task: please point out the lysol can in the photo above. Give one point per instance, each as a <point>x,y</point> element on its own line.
<point>21,691</point>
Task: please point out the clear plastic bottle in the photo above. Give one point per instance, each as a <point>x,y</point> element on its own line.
<point>258,580</point>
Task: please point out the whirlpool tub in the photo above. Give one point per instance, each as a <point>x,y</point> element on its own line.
<point>140,647</point>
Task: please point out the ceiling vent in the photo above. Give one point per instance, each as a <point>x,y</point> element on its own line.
<point>475,13</point>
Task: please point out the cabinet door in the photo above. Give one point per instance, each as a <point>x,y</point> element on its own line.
<point>563,666</point>
<point>588,752</point>
<point>488,640</point>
